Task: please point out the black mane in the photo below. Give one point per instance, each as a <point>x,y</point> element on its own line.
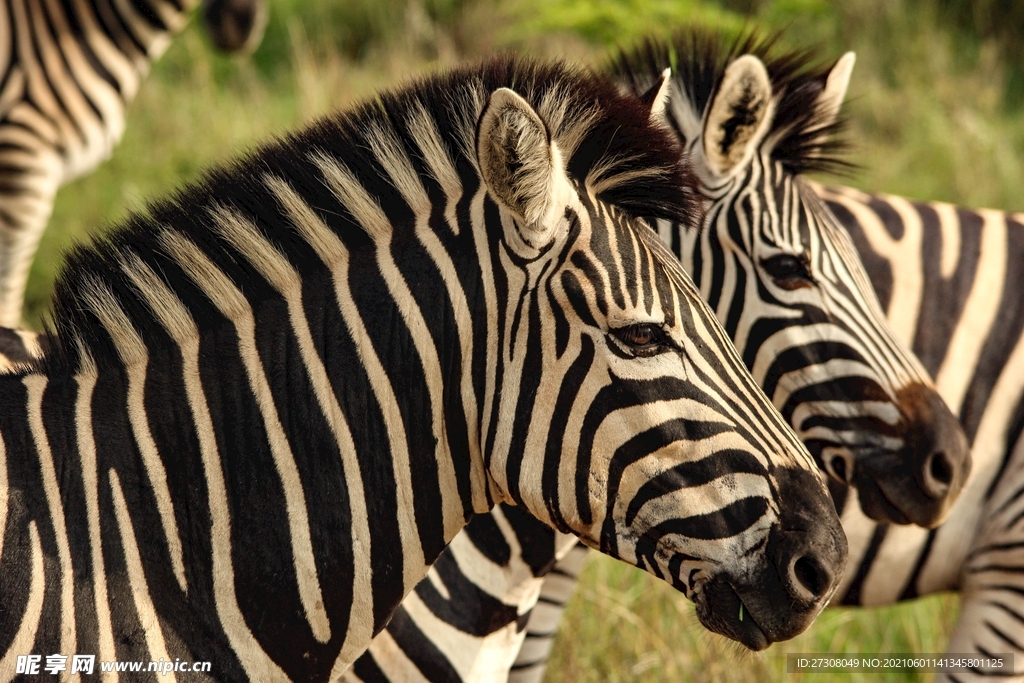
<point>606,137</point>
<point>698,59</point>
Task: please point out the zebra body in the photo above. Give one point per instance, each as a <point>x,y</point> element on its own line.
<point>786,283</point>
<point>68,70</point>
<point>474,606</point>
<point>197,469</point>
<point>950,282</point>
<point>19,347</point>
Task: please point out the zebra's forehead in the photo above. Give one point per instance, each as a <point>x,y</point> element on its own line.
<point>786,220</point>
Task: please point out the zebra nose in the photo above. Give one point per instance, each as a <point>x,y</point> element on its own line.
<point>937,475</point>
<point>809,579</point>
<point>839,464</point>
<point>235,25</point>
<point>939,452</point>
<point>811,555</point>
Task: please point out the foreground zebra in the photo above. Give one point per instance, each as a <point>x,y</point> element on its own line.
<point>952,283</point>
<point>272,401</point>
<point>67,73</point>
<point>786,282</point>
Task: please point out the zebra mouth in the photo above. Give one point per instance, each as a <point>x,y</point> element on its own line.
<point>878,475</point>
<point>878,506</point>
<point>720,609</point>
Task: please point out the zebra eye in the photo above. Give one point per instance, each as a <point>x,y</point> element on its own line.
<point>790,271</point>
<point>643,338</point>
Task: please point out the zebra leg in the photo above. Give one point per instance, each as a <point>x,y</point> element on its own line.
<point>542,625</point>
<point>26,202</point>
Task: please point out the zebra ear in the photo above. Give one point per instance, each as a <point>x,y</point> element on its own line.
<point>521,166</point>
<point>737,117</point>
<point>832,95</point>
<point>657,98</point>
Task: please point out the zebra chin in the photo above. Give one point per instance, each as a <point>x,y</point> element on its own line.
<point>779,597</point>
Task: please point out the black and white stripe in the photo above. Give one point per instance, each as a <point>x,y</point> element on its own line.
<point>950,281</point>
<point>786,282</point>
<point>68,69</point>
<point>947,278</point>
<point>272,401</point>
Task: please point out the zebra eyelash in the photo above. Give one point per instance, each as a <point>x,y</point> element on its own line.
<point>642,339</point>
<point>789,271</point>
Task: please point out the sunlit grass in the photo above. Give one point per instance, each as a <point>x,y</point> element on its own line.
<point>625,626</point>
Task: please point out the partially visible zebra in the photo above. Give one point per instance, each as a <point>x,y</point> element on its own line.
<point>68,70</point>
<point>785,280</point>
<point>952,283</point>
<point>19,347</point>
<point>272,401</point>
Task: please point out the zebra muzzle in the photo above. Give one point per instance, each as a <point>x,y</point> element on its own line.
<point>799,571</point>
<point>720,609</point>
<point>919,483</point>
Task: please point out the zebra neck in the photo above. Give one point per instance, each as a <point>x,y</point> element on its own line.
<point>946,277</point>
<point>222,458</point>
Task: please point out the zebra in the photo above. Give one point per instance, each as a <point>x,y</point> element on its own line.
<point>271,401</point>
<point>790,291</point>
<point>947,278</point>
<point>68,71</point>
<point>20,347</point>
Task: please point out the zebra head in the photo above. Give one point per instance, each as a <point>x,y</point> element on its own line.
<point>235,25</point>
<point>783,277</point>
<point>621,411</point>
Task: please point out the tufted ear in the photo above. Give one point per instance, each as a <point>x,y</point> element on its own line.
<point>738,116</point>
<point>657,96</point>
<point>521,166</point>
<point>831,97</point>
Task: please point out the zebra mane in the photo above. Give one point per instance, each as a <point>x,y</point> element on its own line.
<point>799,137</point>
<point>425,131</point>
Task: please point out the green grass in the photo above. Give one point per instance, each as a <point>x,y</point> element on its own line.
<point>931,118</point>
<point>625,626</point>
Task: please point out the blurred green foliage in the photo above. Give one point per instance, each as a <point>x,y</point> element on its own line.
<point>998,21</point>
<point>609,23</point>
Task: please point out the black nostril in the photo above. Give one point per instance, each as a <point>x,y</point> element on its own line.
<point>839,468</point>
<point>940,469</point>
<point>810,576</point>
